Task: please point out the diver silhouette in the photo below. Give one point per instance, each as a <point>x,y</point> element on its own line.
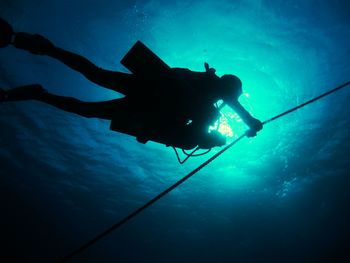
<point>172,106</point>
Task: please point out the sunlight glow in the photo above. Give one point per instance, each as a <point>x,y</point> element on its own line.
<point>222,126</point>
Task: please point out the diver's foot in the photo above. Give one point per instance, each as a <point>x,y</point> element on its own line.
<point>6,33</point>
<point>33,43</point>
<point>27,92</point>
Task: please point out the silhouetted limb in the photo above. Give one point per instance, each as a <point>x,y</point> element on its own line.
<point>6,33</point>
<point>37,44</point>
<point>121,82</point>
<point>27,92</point>
<point>103,110</point>
<point>2,95</point>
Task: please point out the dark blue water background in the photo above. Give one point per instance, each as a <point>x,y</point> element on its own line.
<point>280,197</point>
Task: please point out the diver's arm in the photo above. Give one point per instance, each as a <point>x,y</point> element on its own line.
<point>254,124</point>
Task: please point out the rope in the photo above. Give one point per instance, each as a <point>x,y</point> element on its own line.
<point>307,102</point>
<point>196,170</point>
<point>149,203</point>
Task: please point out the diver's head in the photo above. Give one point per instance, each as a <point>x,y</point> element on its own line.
<point>232,85</point>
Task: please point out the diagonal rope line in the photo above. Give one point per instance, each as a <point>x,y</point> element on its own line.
<point>307,102</point>
<point>149,203</point>
<point>196,170</point>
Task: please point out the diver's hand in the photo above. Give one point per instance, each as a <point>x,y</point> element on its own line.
<point>255,125</point>
<point>208,69</point>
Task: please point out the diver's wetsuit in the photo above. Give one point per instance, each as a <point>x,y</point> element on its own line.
<point>148,106</point>
<point>151,109</point>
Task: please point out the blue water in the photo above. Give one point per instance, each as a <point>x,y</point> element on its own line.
<point>280,197</point>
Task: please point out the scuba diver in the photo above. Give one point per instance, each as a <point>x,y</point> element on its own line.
<point>172,106</point>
